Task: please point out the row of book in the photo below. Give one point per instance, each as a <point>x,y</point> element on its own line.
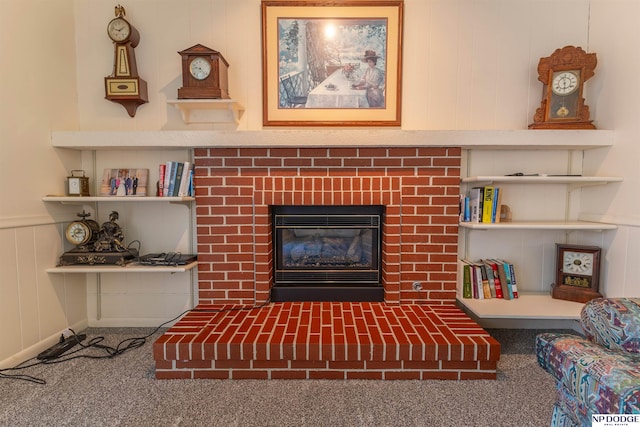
<point>481,204</point>
<point>175,179</point>
<point>488,278</point>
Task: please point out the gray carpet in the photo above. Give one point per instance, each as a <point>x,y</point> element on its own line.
<point>122,391</point>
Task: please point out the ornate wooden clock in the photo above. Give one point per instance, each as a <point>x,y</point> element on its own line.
<point>563,75</point>
<point>204,74</point>
<point>124,85</point>
<point>577,273</point>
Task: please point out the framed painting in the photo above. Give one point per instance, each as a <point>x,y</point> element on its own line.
<point>332,63</point>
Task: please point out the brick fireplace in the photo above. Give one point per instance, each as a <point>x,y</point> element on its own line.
<point>236,188</point>
<point>236,332</point>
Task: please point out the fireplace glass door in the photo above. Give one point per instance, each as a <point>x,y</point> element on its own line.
<point>327,245</point>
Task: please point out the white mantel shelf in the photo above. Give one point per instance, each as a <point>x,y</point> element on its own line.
<point>208,110</point>
<point>333,137</point>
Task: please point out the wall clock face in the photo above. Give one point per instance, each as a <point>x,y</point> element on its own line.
<point>200,68</point>
<point>118,30</point>
<point>577,263</point>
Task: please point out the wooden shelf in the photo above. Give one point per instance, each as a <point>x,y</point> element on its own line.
<point>208,110</point>
<point>539,225</point>
<point>136,199</point>
<point>558,179</point>
<point>528,306</point>
<point>128,268</point>
<point>328,137</point>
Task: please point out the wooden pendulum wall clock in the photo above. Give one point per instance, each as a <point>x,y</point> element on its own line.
<point>563,75</point>
<point>124,85</point>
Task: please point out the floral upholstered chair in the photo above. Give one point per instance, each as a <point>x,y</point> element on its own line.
<point>599,374</point>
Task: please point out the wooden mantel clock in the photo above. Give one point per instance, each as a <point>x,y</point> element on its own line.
<point>124,85</point>
<point>563,75</point>
<point>204,74</point>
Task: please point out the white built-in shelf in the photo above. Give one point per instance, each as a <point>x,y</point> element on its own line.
<point>208,110</point>
<point>539,225</point>
<point>330,137</point>
<point>548,179</point>
<point>90,199</point>
<point>132,267</point>
<point>527,306</point>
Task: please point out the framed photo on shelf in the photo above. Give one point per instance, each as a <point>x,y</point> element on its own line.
<point>577,273</point>
<point>124,182</point>
<point>332,63</point>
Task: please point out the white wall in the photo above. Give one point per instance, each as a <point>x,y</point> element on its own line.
<point>468,64</point>
<point>614,35</point>
<point>38,93</point>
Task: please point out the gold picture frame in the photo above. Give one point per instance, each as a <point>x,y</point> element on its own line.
<point>332,63</point>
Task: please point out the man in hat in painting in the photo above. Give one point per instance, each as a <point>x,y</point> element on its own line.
<point>372,80</point>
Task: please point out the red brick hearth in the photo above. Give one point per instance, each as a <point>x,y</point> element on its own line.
<point>327,340</point>
<point>413,334</point>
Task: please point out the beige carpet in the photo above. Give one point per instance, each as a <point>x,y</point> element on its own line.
<point>122,391</point>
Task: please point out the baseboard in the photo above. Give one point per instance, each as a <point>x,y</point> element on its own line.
<point>32,351</point>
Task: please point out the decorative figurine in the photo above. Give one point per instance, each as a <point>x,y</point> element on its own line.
<point>104,245</point>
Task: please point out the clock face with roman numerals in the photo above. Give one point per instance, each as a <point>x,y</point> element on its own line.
<point>565,82</point>
<point>577,263</point>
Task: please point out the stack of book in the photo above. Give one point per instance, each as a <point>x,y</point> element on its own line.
<point>488,278</point>
<point>175,179</point>
<point>482,204</point>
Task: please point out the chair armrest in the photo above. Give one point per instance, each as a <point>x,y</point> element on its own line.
<point>613,323</point>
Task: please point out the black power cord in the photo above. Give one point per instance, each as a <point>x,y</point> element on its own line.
<point>111,352</point>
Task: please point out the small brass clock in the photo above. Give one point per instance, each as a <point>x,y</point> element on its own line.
<point>577,272</point>
<point>78,184</point>
<point>563,75</point>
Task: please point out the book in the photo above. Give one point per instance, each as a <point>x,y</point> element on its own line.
<point>493,267</point>
<point>487,204</point>
<point>496,277</point>
<point>514,286</point>
<point>505,278</point>
<point>167,178</point>
<point>172,178</point>
<point>184,182</point>
<point>490,278</point>
<point>475,204</point>
<point>484,281</point>
<point>174,185</point>
<point>466,280</point>
<point>162,169</point>
<point>467,213</point>
<point>479,291</point>
<point>497,206</point>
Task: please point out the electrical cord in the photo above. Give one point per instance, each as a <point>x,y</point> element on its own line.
<point>111,352</point>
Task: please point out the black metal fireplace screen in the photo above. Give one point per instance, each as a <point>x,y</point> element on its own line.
<point>327,245</point>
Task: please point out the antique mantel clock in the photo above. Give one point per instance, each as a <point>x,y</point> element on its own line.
<point>96,244</point>
<point>204,74</point>
<point>563,75</point>
<point>124,85</point>
<point>577,273</point>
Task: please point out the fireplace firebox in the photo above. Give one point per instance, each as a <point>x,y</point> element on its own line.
<point>327,253</point>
